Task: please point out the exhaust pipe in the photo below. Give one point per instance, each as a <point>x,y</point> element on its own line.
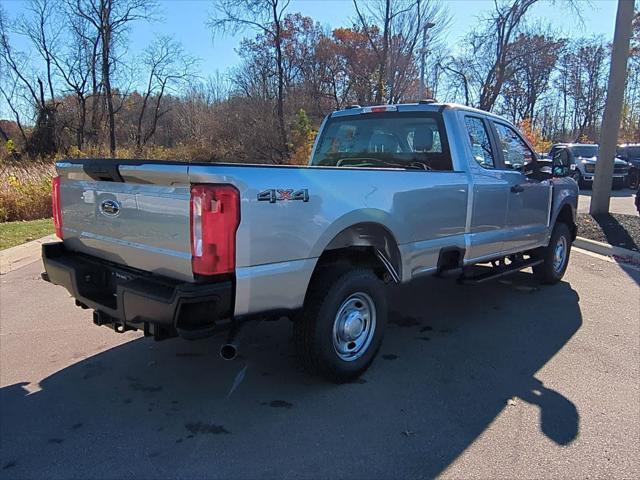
<point>229,350</point>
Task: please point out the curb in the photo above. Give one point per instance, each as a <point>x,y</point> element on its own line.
<point>619,253</point>
<point>13,258</point>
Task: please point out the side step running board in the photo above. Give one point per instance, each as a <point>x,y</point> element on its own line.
<point>497,272</point>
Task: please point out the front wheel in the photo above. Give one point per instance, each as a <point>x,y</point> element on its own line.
<point>618,183</point>
<point>555,256</point>
<point>342,325</point>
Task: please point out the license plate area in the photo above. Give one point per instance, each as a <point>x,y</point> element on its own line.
<point>99,283</point>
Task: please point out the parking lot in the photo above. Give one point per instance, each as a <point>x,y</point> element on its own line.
<point>507,379</point>
<point>622,201</point>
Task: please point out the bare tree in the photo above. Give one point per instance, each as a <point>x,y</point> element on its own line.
<point>169,67</point>
<point>15,64</point>
<point>265,16</point>
<point>459,74</point>
<point>394,29</point>
<point>38,26</point>
<point>493,45</point>
<point>111,18</point>
<point>528,77</point>
<point>8,93</point>
<point>75,63</point>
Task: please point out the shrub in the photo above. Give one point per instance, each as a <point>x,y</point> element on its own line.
<point>302,137</point>
<point>25,190</point>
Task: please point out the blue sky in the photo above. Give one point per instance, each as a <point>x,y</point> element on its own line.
<point>185,19</point>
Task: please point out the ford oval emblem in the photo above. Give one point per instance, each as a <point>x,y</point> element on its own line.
<point>110,207</point>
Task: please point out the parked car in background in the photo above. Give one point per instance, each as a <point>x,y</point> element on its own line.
<point>584,156</point>
<point>630,153</point>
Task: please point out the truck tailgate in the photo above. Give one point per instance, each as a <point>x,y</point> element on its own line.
<point>141,220</point>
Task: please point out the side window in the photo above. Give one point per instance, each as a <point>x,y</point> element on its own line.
<point>480,143</point>
<point>517,155</point>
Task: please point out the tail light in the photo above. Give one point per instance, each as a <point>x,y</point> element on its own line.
<point>56,206</point>
<point>215,215</point>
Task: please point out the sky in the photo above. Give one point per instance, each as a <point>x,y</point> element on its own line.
<point>186,21</point>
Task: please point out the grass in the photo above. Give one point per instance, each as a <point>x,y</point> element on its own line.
<point>15,233</point>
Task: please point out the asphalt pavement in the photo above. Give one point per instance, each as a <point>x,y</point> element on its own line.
<point>621,201</point>
<point>502,380</point>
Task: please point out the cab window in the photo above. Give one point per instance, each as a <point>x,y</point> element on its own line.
<point>517,154</point>
<point>409,140</point>
<point>480,143</point>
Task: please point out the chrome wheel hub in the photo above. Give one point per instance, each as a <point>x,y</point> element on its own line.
<point>354,326</point>
<point>559,254</point>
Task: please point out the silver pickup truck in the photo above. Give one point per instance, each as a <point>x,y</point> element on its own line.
<point>391,193</point>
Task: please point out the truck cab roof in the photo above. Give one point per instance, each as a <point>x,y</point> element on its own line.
<point>423,106</point>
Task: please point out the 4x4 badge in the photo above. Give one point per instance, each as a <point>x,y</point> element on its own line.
<point>275,195</point>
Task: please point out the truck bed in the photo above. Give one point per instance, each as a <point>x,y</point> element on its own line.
<point>276,240</point>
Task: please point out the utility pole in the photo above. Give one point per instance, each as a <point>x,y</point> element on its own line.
<point>423,57</point>
<point>612,109</point>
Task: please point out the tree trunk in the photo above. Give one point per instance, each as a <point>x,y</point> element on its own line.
<point>156,116</point>
<point>139,124</point>
<point>382,67</point>
<point>280,100</point>
<point>106,74</point>
<point>83,120</point>
<point>4,135</point>
<point>612,110</point>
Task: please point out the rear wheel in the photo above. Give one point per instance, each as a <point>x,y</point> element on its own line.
<point>342,325</point>
<point>555,256</point>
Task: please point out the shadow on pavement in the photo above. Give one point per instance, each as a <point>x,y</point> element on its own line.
<point>452,359</point>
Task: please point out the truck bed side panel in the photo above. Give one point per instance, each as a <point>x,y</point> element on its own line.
<point>425,211</point>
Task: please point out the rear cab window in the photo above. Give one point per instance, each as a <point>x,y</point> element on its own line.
<point>480,141</point>
<point>409,140</point>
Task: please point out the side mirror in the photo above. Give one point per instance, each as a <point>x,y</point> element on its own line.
<point>560,171</point>
<point>560,165</point>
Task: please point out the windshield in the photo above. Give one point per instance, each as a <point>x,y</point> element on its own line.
<point>631,152</point>
<point>585,150</point>
<point>384,140</point>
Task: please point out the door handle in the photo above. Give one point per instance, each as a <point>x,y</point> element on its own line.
<point>517,188</point>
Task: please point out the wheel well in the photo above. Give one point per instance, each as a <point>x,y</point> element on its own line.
<point>566,216</point>
<point>364,243</point>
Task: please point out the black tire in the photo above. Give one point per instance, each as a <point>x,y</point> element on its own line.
<point>618,183</point>
<point>313,331</point>
<point>548,272</point>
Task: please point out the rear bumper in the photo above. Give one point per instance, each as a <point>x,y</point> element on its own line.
<point>135,299</point>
